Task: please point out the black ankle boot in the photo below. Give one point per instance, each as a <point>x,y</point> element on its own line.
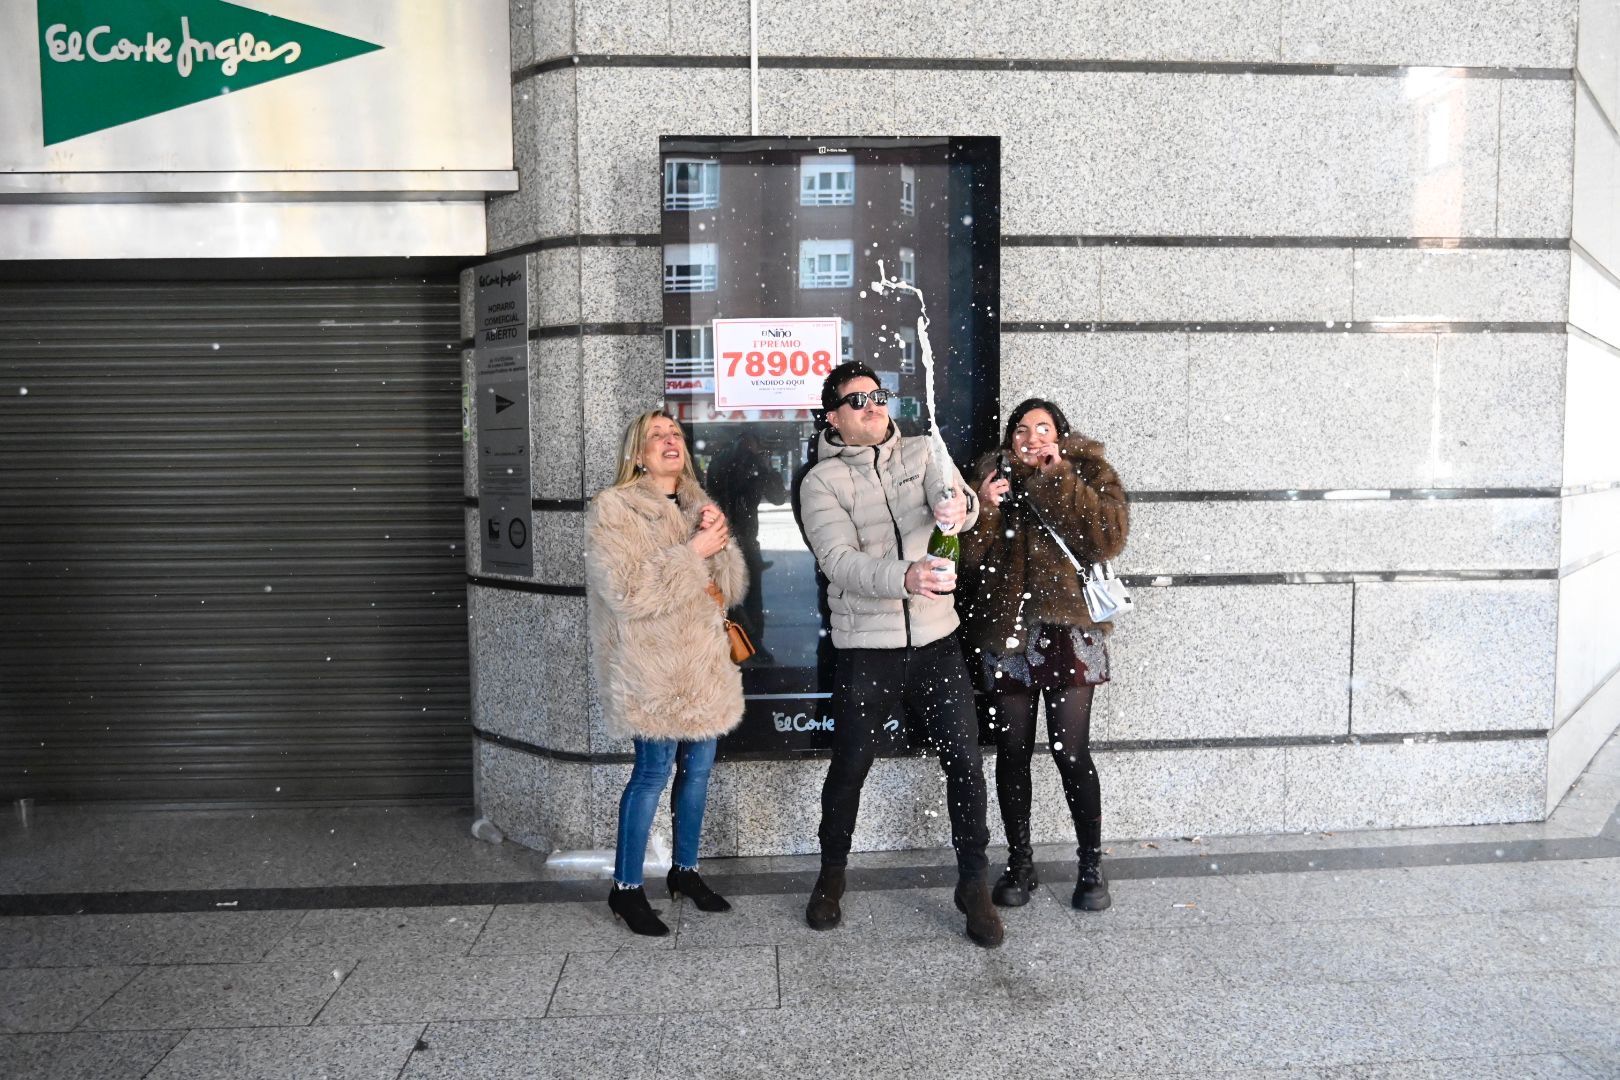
<point>684,882</point>
<point>983,924</point>
<point>823,912</point>
<point>631,906</point>
<point>1091,890</point>
<point>1017,881</point>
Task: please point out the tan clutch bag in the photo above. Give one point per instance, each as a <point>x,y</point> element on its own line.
<point>741,647</point>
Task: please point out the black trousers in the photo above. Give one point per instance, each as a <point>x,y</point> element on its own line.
<point>930,686</point>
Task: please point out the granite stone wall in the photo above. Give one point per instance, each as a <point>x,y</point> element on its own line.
<point>1337,285</point>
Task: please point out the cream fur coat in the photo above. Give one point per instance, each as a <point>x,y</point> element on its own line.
<point>663,665</point>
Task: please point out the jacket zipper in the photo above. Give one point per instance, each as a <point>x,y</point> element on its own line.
<point>899,544</point>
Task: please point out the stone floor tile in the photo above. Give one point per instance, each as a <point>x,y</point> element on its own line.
<point>187,938</point>
<point>1436,1014</point>
<point>1595,1064</point>
<point>1595,788</point>
<point>1607,760</point>
<point>1573,939</point>
<point>903,914</point>
<point>445,988</point>
<point>1314,952</point>
<point>1170,903</point>
<point>554,929</point>
<point>1470,945</point>
<point>1504,1015</point>
<point>1533,1067</point>
<point>1582,817</point>
<point>1322,895</point>
<point>220,995</point>
<point>55,999</point>
<point>1074,966</point>
<point>81,1055</point>
<point>328,1053</point>
<point>690,980</point>
<point>772,919</point>
<point>596,1047</point>
<point>1602,983</point>
<point>1528,886</point>
<point>1263,1027</point>
<point>1593,791</point>
<point>383,932</point>
<point>772,1044</point>
<point>888,973</point>
<point>991,1039</point>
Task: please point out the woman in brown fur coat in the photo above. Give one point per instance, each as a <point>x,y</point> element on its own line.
<point>654,546</point>
<point>1028,628</point>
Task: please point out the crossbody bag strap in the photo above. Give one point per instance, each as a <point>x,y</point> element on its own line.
<point>1036,510</point>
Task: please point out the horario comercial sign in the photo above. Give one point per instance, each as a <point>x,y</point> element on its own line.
<point>105,64</point>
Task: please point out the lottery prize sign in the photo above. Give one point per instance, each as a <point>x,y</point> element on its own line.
<point>772,363</point>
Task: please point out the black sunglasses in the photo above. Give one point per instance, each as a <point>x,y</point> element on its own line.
<point>857,400</point>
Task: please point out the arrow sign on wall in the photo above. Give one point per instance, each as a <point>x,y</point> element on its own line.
<point>104,64</point>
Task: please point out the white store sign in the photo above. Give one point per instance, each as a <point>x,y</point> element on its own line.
<point>772,363</point>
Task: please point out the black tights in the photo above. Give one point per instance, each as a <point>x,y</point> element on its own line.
<point>1068,732</point>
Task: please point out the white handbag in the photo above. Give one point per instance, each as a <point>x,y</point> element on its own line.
<point>1106,595</point>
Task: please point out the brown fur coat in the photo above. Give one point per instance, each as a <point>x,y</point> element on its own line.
<point>658,643</point>
<point>1082,499</point>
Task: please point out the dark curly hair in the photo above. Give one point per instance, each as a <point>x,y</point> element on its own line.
<point>1027,406</point>
<point>840,375</point>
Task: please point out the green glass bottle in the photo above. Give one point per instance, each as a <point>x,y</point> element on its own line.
<point>944,545</point>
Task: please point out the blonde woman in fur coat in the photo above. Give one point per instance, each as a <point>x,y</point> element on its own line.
<point>654,543</point>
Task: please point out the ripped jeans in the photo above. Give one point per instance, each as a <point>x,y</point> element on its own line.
<point>655,760</point>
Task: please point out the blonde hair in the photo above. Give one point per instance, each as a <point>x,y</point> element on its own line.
<point>635,437</point>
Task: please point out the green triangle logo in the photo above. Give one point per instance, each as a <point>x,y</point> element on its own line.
<point>104,64</point>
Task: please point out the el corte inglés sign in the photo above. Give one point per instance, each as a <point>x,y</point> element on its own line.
<point>104,64</point>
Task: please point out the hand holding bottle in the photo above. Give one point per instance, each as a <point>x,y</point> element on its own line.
<point>950,511</point>
<point>931,576</point>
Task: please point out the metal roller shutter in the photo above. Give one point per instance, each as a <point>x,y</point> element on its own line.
<point>231,564</point>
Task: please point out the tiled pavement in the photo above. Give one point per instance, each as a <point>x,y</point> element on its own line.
<point>1476,954</point>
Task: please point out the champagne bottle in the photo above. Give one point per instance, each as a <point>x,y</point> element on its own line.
<point>945,544</point>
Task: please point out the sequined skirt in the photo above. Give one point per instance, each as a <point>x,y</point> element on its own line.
<point>1054,657</point>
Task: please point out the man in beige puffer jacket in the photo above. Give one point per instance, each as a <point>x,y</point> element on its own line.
<point>867,508</point>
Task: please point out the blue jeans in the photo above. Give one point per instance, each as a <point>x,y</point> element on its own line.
<point>691,763</point>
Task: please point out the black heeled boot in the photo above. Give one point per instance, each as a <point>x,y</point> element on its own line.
<point>631,906</point>
<point>823,912</point>
<point>983,923</point>
<point>1091,888</point>
<point>684,882</point>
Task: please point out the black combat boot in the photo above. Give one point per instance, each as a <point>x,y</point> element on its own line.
<point>983,924</point>
<point>1014,885</point>
<point>823,912</point>
<point>1091,889</point>
<point>1018,880</point>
